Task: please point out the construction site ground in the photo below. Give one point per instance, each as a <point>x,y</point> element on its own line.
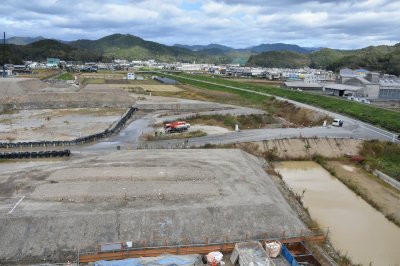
<point>101,195</point>
<point>138,195</point>
<point>55,124</point>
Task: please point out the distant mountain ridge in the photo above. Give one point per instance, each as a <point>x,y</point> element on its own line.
<point>23,40</point>
<point>197,48</point>
<point>130,47</point>
<point>134,48</point>
<point>374,58</point>
<point>269,47</point>
<point>264,47</point>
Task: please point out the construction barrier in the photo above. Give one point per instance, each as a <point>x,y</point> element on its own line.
<point>160,246</point>
<point>288,256</point>
<point>79,141</point>
<point>34,154</point>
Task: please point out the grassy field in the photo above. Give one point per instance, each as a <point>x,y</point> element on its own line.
<point>367,113</point>
<point>289,113</point>
<point>185,135</point>
<point>229,121</point>
<point>66,76</point>
<point>41,73</point>
<point>384,156</point>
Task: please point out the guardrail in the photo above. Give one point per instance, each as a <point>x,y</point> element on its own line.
<point>225,244</point>
<point>388,179</point>
<point>79,141</point>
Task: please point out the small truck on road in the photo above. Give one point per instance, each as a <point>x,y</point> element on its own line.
<point>176,127</point>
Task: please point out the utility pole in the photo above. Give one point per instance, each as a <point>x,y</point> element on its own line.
<point>4,55</point>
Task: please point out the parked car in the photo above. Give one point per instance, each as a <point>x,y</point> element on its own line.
<point>363,100</point>
<point>337,122</point>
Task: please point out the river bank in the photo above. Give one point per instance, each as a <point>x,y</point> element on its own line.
<point>356,229</point>
<point>376,192</point>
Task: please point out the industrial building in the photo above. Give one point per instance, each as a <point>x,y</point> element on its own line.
<point>340,90</point>
<point>300,85</point>
<point>52,62</point>
<point>389,89</point>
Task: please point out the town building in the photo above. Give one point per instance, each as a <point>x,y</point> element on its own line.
<point>52,62</point>
<point>389,89</point>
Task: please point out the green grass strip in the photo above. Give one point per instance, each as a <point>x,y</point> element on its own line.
<point>371,114</point>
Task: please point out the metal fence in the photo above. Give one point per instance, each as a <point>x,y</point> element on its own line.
<point>79,141</point>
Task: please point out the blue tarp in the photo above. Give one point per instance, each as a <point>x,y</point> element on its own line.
<point>166,260</point>
<point>126,262</point>
<point>288,256</point>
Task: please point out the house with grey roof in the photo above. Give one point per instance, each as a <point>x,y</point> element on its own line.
<point>369,84</point>
<point>389,89</point>
<point>301,85</point>
<point>340,90</point>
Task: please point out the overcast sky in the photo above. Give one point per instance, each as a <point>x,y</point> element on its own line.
<point>237,23</point>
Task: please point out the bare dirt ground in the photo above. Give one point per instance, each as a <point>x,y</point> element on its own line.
<point>103,75</point>
<point>158,88</point>
<point>139,87</point>
<point>208,130</point>
<point>25,93</point>
<point>307,148</point>
<point>11,87</point>
<point>153,195</point>
<point>58,124</point>
<point>383,196</point>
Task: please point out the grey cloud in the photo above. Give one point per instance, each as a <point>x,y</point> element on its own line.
<point>239,23</point>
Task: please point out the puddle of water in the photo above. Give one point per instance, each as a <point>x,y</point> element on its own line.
<point>355,227</point>
<point>348,168</point>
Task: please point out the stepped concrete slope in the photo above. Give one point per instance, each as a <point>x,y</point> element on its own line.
<point>137,195</point>
<point>10,87</point>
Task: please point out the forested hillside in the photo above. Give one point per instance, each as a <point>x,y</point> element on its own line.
<point>375,58</point>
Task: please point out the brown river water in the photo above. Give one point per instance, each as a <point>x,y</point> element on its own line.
<point>354,226</point>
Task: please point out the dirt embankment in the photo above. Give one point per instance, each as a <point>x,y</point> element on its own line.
<point>377,193</point>
<point>19,86</point>
<point>307,148</point>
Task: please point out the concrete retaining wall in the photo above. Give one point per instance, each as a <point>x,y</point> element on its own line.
<point>196,106</point>
<point>391,181</point>
<point>307,148</point>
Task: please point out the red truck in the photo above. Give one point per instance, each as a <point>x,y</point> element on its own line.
<point>178,126</point>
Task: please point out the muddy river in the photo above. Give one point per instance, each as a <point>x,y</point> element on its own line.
<point>355,227</point>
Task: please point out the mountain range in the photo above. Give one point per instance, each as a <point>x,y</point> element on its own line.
<point>23,40</point>
<point>211,49</point>
<point>126,46</point>
<point>264,47</point>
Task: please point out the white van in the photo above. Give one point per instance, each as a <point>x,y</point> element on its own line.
<point>337,122</point>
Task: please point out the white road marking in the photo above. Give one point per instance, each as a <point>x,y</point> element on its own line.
<point>383,134</point>
<point>16,204</point>
<point>389,135</point>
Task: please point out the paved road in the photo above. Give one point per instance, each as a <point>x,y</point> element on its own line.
<point>130,136</point>
<point>254,135</point>
<point>360,128</point>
